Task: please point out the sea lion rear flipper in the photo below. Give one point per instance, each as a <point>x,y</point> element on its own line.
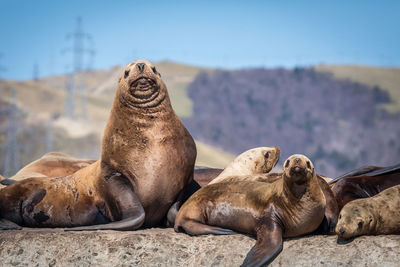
<point>8,225</point>
<point>269,244</point>
<point>127,203</point>
<point>7,181</point>
<point>360,171</point>
<point>189,190</point>
<point>192,227</point>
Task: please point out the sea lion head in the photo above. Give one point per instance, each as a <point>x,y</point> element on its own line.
<point>140,85</point>
<point>265,158</point>
<point>354,220</point>
<point>298,168</point>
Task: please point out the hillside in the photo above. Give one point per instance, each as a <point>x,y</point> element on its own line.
<point>387,79</point>
<point>338,123</point>
<point>44,99</point>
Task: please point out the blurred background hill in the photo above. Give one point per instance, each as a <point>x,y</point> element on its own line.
<point>313,77</point>
<point>341,116</point>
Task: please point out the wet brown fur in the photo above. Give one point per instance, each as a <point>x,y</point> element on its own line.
<point>282,208</point>
<point>147,159</point>
<point>376,215</point>
<point>351,188</point>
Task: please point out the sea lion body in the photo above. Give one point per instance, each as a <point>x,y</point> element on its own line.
<point>376,215</point>
<point>53,164</point>
<point>291,206</point>
<point>147,160</point>
<point>253,161</point>
<point>364,186</point>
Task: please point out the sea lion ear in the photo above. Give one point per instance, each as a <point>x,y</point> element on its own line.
<point>287,163</point>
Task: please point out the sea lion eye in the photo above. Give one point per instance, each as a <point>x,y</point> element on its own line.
<point>360,224</point>
<point>154,70</point>
<point>308,165</point>
<point>266,155</point>
<point>287,163</point>
<point>340,216</point>
<point>126,74</point>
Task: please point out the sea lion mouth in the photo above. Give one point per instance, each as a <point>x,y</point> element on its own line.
<point>143,84</point>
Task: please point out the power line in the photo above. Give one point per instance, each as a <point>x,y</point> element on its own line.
<point>12,161</point>
<point>76,82</point>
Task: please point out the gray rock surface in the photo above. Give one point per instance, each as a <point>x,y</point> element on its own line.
<point>164,247</point>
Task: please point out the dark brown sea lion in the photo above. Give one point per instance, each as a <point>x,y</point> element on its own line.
<point>376,215</point>
<point>367,185</point>
<point>289,207</point>
<point>147,159</point>
<point>203,175</point>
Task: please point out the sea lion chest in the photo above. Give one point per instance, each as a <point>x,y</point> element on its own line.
<point>303,215</point>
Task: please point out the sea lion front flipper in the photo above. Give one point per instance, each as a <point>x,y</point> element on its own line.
<point>269,244</point>
<point>360,171</point>
<point>385,170</point>
<point>331,209</point>
<point>125,201</point>
<point>8,225</point>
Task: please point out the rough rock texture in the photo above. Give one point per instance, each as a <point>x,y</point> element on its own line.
<point>164,247</point>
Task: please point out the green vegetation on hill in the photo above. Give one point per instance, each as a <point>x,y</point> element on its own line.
<point>386,78</point>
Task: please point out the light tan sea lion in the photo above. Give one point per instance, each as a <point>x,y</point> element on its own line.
<point>376,215</point>
<point>253,161</point>
<point>291,206</point>
<point>147,159</point>
<point>53,164</point>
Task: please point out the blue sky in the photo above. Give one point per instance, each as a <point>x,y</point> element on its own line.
<point>229,34</point>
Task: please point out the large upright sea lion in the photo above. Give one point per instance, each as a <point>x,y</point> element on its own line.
<point>376,215</point>
<point>367,185</point>
<point>289,207</point>
<point>147,159</point>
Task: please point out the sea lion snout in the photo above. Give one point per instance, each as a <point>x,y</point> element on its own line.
<point>342,230</point>
<point>141,66</point>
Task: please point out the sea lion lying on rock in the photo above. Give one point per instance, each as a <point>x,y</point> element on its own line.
<point>376,215</point>
<point>53,164</point>
<point>291,206</point>
<point>253,161</point>
<point>366,185</point>
<point>147,159</point>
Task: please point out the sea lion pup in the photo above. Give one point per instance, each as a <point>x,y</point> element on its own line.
<point>289,207</point>
<point>147,159</point>
<point>364,186</point>
<point>53,164</point>
<point>376,215</point>
<point>253,161</point>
